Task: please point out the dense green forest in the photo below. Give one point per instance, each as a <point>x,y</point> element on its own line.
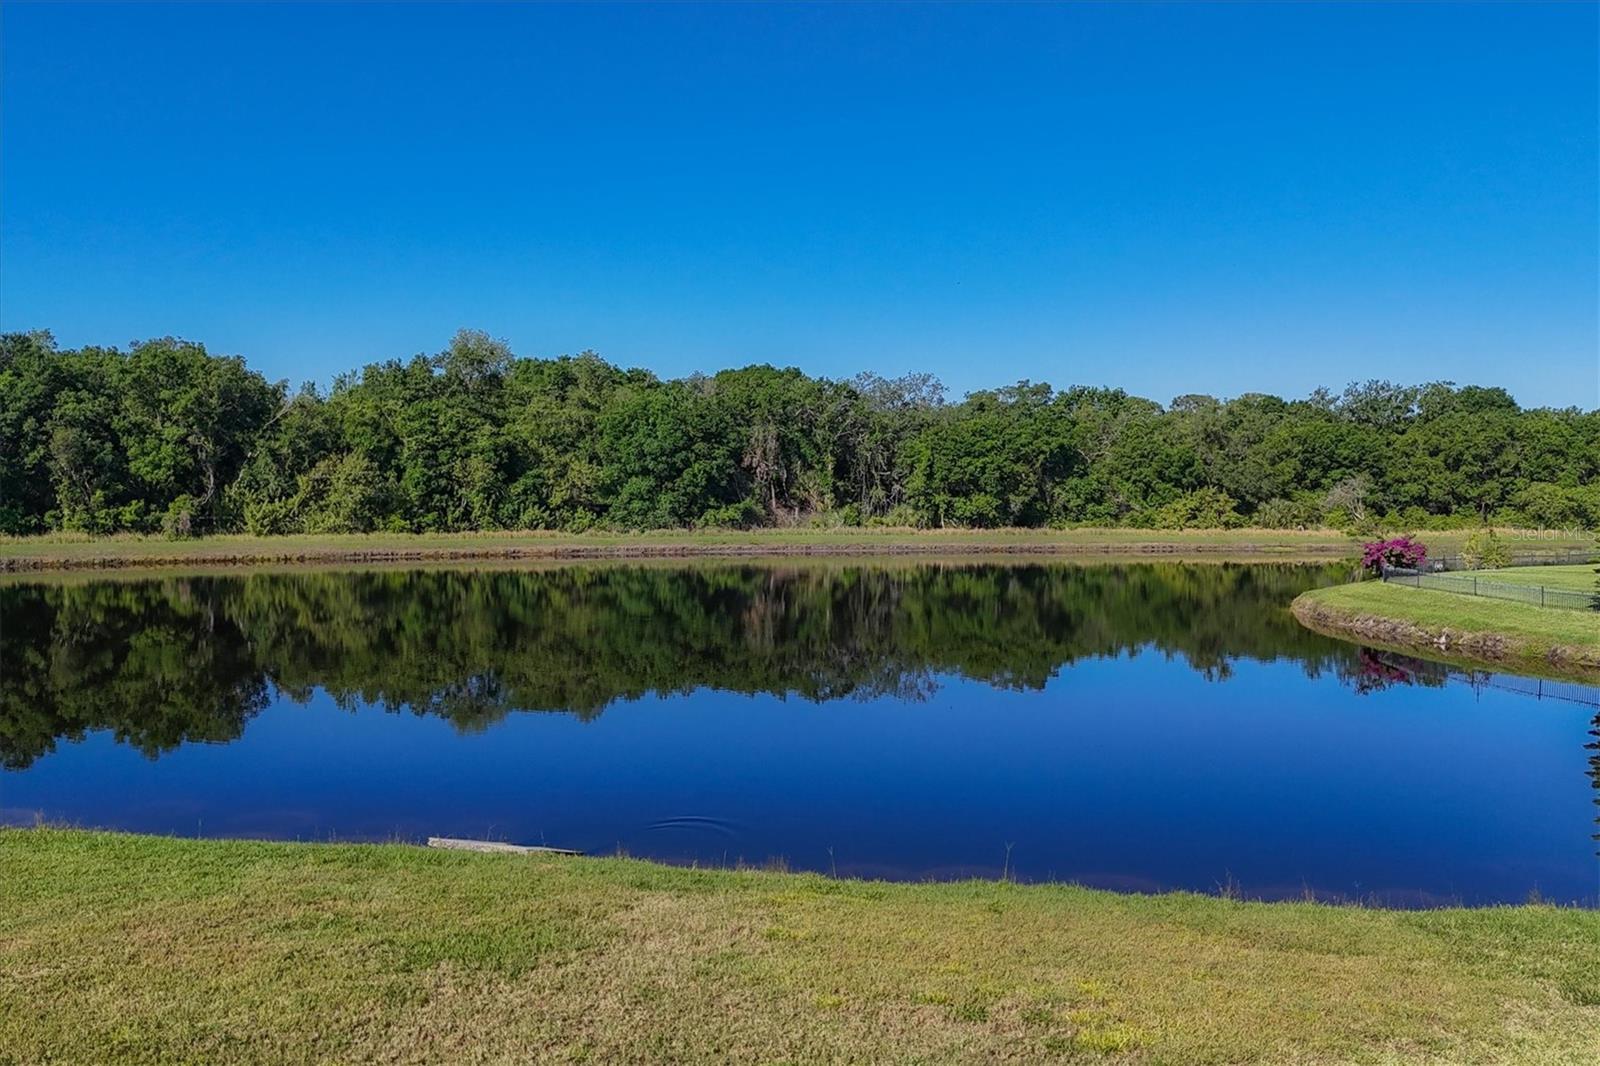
<point>165,436</point>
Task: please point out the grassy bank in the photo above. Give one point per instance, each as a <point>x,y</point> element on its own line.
<point>1489,631</point>
<point>64,551</point>
<point>69,551</point>
<point>122,948</point>
<point>76,551</point>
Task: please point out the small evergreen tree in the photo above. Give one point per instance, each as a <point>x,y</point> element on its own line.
<point>1485,550</point>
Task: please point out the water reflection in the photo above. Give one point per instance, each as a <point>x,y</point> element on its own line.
<point>1383,669</point>
<point>176,659</point>
<point>1145,726</point>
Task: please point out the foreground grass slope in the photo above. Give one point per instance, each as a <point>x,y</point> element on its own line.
<point>138,949</point>
<point>1490,630</point>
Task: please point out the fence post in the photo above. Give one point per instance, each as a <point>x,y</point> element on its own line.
<point>1541,595</point>
<point>1474,584</point>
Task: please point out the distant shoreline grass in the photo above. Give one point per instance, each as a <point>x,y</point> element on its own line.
<point>73,551</point>
<point>1477,630</point>
<point>117,948</point>
<point>65,551</point>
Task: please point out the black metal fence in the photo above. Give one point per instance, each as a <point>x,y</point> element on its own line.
<point>1423,671</point>
<point>1548,557</point>
<point>1451,573</point>
<point>1540,688</point>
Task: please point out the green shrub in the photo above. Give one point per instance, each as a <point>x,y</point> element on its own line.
<point>1484,550</point>
<point>1302,512</point>
<point>1206,508</point>
<point>741,514</point>
<point>265,518</point>
<point>179,520</point>
<point>342,494</point>
<point>900,516</point>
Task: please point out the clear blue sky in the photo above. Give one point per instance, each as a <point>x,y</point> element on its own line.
<point>1174,199</point>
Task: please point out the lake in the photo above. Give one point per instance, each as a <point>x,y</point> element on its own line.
<point>1138,727</point>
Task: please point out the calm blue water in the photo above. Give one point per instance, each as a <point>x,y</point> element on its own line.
<point>1142,728</point>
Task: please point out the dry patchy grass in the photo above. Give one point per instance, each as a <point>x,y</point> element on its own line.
<point>75,551</point>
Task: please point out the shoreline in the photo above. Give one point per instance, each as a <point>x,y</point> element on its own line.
<point>1531,639</point>
<point>1393,902</point>
<point>24,555</point>
<point>139,570</point>
<point>58,551</point>
<point>61,552</point>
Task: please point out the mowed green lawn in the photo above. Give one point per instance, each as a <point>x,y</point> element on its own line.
<point>1493,630</point>
<point>1574,578</point>
<point>139,949</point>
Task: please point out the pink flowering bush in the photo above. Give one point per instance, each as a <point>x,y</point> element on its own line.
<point>1399,551</point>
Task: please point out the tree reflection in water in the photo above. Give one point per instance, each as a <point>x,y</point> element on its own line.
<point>169,660</point>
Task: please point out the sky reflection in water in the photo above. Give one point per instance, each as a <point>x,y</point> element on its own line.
<point>1137,727</point>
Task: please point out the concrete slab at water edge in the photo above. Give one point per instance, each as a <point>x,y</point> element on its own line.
<point>500,846</point>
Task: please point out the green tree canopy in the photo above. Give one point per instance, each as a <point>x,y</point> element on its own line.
<point>166,435</point>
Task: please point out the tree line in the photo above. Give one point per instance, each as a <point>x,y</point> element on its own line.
<point>165,436</point>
